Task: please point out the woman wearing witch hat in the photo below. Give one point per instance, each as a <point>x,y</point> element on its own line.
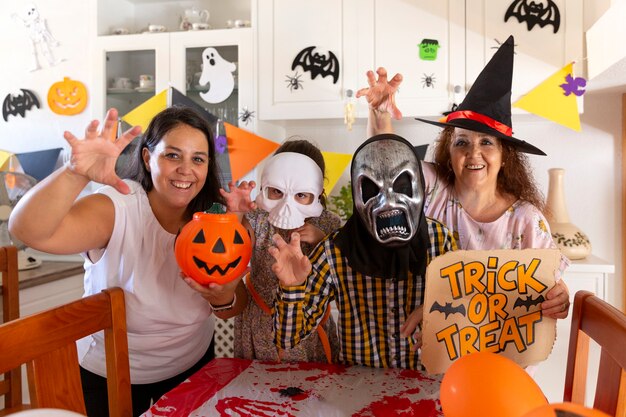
<point>480,184</point>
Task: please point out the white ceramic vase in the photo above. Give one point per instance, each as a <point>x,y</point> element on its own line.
<point>572,242</point>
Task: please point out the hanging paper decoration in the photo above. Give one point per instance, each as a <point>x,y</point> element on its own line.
<point>246,150</point>
<point>428,81</point>
<point>573,85</point>
<point>246,115</point>
<point>317,64</point>
<point>294,82</point>
<point>532,12</point>
<point>67,97</point>
<point>41,39</point>
<point>143,114</point>
<point>428,49</point>
<point>336,164</point>
<point>548,100</point>
<point>218,73</point>
<point>19,104</point>
<point>39,164</point>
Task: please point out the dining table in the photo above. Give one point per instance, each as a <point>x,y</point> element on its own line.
<point>243,387</point>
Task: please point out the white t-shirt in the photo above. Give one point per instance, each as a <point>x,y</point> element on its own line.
<point>170,326</point>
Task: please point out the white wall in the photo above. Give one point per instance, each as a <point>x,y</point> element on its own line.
<point>68,21</point>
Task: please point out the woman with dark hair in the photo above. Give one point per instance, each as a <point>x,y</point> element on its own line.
<point>125,232</point>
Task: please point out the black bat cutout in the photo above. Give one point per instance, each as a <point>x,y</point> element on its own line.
<point>448,308</point>
<point>534,13</point>
<point>528,302</point>
<point>317,64</point>
<point>19,104</point>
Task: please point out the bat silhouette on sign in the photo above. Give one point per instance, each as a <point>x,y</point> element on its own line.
<point>317,64</point>
<point>448,309</point>
<point>528,302</point>
<point>535,13</point>
<point>19,104</point>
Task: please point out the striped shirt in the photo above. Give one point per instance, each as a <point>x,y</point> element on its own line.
<point>371,310</point>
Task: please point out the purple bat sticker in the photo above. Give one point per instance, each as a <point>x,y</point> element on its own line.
<point>220,144</point>
<point>574,85</point>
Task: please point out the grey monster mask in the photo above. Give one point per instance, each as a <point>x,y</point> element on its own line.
<point>387,190</point>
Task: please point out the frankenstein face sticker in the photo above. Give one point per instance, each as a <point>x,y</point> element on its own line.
<point>428,49</point>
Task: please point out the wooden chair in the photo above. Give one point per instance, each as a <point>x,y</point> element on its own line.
<point>595,319</point>
<point>45,341</point>
<point>11,385</point>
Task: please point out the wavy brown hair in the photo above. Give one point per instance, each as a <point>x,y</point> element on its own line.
<point>515,176</point>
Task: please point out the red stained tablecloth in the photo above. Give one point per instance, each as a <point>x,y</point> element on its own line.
<point>239,387</point>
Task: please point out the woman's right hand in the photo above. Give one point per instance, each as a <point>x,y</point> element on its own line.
<point>292,267</point>
<point>95,155</point>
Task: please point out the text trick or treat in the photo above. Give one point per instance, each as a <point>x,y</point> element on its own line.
<point>213,248</point>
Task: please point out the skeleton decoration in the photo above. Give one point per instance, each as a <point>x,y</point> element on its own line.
<point>388,191</point>
<point>291,173</point>
<point>41,39</point>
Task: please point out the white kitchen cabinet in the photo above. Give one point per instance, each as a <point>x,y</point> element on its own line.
<point>539,52</point>
<point>590,274</point>
<point>368,34</point>
<point>335,29</point>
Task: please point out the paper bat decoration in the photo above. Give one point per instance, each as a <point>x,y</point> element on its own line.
<point>317,64</point>
<point>528,302</point>
<point>448,309</point>
<point>19,104</point>
<point>535,13</point>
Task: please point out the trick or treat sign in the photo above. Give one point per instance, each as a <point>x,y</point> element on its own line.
<point>488,301</point>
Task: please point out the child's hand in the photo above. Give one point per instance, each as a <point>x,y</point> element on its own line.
<point>412,327</point>
<point>310,234</point>
<point>292,267</point>
<point>238,198</point>
<point>381,93</point>
<point>557,301</point>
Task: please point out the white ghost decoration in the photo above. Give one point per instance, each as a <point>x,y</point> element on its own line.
<point>219,74</point>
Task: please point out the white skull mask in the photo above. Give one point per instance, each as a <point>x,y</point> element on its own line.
<point>387,190</point>
<point>291,173</point>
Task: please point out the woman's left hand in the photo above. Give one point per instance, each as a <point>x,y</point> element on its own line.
<point>557,301</point>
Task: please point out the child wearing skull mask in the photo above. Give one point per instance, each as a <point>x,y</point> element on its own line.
<point>373,267</point>
<point>291,199</point>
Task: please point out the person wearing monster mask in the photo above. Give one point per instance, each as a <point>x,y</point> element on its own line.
<point>373,267</point>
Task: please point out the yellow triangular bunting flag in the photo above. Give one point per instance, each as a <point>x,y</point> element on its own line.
<point>246,150</point>
<point>4,160</point>
<point>336,164</point>
<point>549,101</point>
<point>143,114</point>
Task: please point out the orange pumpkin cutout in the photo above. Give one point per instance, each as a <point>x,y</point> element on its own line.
<point>67,97</point>
<point>213,248</point>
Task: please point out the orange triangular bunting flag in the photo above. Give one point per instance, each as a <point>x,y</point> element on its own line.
<point>246,150</point>
<point>549,101</point>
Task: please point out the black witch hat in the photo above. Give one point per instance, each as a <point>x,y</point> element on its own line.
<point>487,106</point>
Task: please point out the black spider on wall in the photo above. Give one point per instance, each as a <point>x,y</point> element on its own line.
<point>428,81</point>
<point>246,115</point>
<point>294,82</point>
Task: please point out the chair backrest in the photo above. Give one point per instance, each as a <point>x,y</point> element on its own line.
<point>45,341</point>
<point>596,319</point>
<point>11,385</point>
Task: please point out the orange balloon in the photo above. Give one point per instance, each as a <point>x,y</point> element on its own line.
<point>488,385</point>
<point>568,410</point>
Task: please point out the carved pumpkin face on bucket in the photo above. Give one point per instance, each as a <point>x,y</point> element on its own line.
<point>213,248</point>
<point>67,97</point>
